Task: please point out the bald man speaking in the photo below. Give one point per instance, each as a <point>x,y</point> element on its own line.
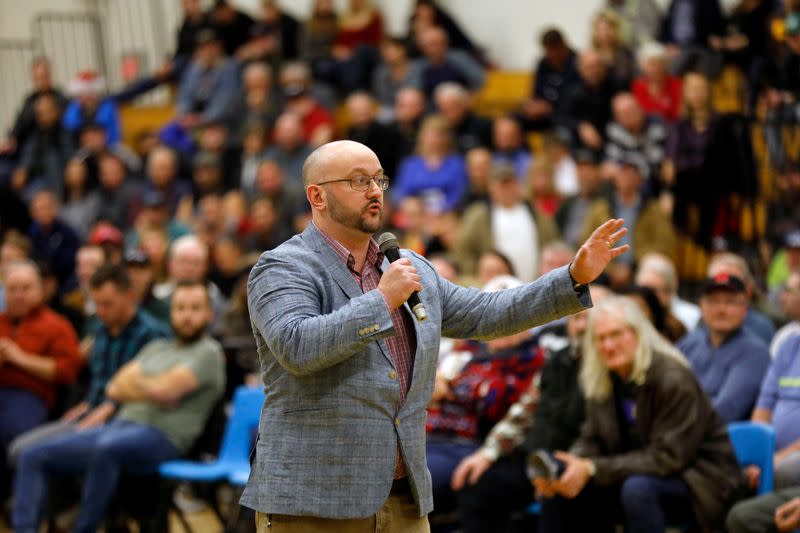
<point>349,372</point>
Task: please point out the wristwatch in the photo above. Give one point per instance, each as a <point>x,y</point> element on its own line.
<point>577,287</point>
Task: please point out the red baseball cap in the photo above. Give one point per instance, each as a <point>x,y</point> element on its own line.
<point>106,234</point>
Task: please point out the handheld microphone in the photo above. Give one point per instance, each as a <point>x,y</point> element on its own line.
<point>391,249</point>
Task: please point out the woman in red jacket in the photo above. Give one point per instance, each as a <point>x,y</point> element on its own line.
<point>658,92</point>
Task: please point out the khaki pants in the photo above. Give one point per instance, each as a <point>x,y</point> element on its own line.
<point>397,515</point>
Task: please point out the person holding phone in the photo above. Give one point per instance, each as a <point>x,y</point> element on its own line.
<point>652,450</point>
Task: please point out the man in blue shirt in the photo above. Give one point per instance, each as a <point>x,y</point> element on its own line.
<point>728,360</point>
<point>442,65</point>
<point>119,331</point>
<point>779,405</point>
<point>735,265</point>
<point>53,240</point>
<point>210,84</point>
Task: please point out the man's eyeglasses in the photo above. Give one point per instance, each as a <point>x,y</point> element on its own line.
<point>363,182</point>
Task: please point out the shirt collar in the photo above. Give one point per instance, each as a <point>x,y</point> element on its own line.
<point>374,255</point>
<point>735,333</point>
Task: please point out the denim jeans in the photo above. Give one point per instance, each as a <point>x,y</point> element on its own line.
<point>504,489</point>
<point>785,115</point>
<point>443,458</point>
<point>651,503</point>
<point>20,411</point>
<point>100,454</point>
<point>645,504</point>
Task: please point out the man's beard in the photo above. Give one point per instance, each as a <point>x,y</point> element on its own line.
<point>191,336</point>
<point>360,221</point>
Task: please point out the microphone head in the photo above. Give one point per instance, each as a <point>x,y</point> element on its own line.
<point>387,241</point>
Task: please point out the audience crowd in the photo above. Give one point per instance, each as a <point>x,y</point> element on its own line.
<point>124,258</point>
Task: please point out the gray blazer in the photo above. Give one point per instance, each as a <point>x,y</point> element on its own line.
<point>330,423</point>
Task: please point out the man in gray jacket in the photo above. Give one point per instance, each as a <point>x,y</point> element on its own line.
<point>347,369</point>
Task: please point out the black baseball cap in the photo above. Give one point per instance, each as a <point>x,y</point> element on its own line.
<point>723,282</point>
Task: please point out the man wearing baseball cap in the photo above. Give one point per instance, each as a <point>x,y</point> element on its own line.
<point>729,360</point>
<point>108,237</point>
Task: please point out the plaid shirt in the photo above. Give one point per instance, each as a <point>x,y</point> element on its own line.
<point>403,344</point>
<point>484,390</point>
<point>110,353</point>
<point>509,433</point>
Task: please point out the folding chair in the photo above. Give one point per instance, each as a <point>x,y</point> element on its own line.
<point>754,444</point>
<point>234,451</point>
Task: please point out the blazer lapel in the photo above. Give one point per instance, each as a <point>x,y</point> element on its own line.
<point>382,343</point>
<point>337,269</point>
<point>419,348</point>
<point>340,274</point>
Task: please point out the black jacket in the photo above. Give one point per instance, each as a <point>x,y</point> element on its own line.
<point>681,435</point>
<point>560,413</point>
<point>708,21</point>
<point>588,104</point>
<point>25,122</point>
<point>552,84</point>
<point>784,73</point>
<point>473,131</point>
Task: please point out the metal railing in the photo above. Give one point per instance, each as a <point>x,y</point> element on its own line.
<point>72,42</point>
<point>109,37</point>
<point>140,30</point>
<point>134,30</point>
<point>16,56</point>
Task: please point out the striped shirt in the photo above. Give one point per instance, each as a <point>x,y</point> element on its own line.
<point>403,344</point>
<point>110,353</point>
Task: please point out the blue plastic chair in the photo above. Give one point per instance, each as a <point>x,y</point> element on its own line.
<point>754,444</point>
<point>535,508</point>
<point>235,449</point>
<point>239,477</point>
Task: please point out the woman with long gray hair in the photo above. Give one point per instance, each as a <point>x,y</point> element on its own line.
<point>652,450</point>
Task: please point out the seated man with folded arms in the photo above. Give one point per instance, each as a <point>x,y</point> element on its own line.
<point>121,329</point>
<point>166,394</point>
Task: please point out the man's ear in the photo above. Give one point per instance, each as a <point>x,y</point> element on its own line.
<point>316,197</point>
